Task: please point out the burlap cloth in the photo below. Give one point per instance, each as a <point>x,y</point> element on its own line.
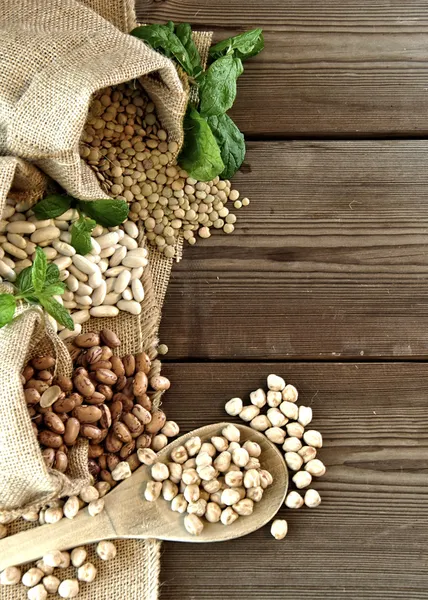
<point>54,55</point>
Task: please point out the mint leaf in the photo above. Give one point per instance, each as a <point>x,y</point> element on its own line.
<point>163,39</point>
<point>217,90</point>
<point>24,282</point>
<point>200,155</point>
<point>52,206</point>
<point>107,213</point>
<point>7,308</point>
<point>241,46</point>
<point>57,311</point>
<point>231,143</point>
<point>81,235</point>
<point>184,33</point>
<point>38,270</point>
<point>54,289</point>
<point>52,274</point>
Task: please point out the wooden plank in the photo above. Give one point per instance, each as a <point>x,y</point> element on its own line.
<point>335,69</point>
<point>368,537</point>
<point>329,261</point>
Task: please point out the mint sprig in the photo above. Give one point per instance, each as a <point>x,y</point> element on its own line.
<point>217,93</point>
<point>37,284</point>
<point>108,213</point>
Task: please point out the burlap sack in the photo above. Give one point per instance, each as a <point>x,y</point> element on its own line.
<point>54,54</point>
<point>25,480</point>
<point>134,574</point>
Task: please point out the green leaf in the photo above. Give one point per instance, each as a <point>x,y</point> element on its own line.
<point>241,46</point>
<point>38,271</point>
<point>184,33</point>
<point>171,26</point>
<point>57,311</point>
<point>52,206</point>
<point>24,282</point>
<point>161,38</point>
<point>200,155</point>
<point>52,274</point>
<point>217,90</point>
<point>107,213</point>
<point>81,235</point>
<point>54,289</point>
<point>7,308</point>
<point>231,143</point>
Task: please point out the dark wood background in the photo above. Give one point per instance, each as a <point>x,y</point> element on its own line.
<point>324,282</point>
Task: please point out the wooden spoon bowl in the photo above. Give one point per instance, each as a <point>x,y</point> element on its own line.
<point>128,515</point>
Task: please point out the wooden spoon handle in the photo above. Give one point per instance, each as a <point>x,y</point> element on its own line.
<point>33,544</point>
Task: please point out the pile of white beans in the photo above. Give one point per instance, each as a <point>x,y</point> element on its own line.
<point>100,284</point>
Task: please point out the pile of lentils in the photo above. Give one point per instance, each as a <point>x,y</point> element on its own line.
<point>99,284</point>
<point>285,423</point>
<point>125,145</point>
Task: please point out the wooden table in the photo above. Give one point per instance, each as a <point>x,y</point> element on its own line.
<point>324,282</point>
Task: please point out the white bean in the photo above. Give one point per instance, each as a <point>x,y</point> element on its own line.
<point>84,265</point>
<point>104,311</point>
<point>129,306</point>
<point>65,236</point>
<point>111,298</point>
<point>97,231</point>
<point>70,215</point>
<point>67,333</point>
<point>122,282</point>
<point>137,290</point>
<point>131,228</point>
<point>84,289</point>
<point>137,273</point>
<point>106,252</point>
<point>96,248</point>
<point>103,265</point>
<point>99,294</point>
<point>118,256</point>
<point>6,271</point>
<point>45,234</point>
<point>72,283</point>
<point>8,211</point>
<point>63,248</point>
<point>127,294</point>
<point>20,227</point>
<point>110,284</point>
<point>129,242</point>
<point>14,251</point>
<point>78,273</point>
<point>81,316</point>
<point>10,263</point>
<point>115,271</point>
<point>63,275</point>
<point>93,258</point>
<point>63,262</point>
<point>84,300</point>
<point>96,279</point>
<point>133,260</point>
<point>108,239</point>
<point>70,304</point>
<point>17,240</point>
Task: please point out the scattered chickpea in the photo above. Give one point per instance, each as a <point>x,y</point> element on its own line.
<point>159,472</point>
<point>152,491</point>
<point>51,584</point>
<point>312,498</point>
<point>87,572</point>
<point>106,550</point>
<point>228,516</point>
<point>279,529</point>
<point>38,592</point>
<point>78,556</point>
<point>10,576</point>
<point>302,479</point>
<point>69,588</point>
<point>313,438</point>
<point>294,500</point>
<point>234,406</point>
<point>315,467</point>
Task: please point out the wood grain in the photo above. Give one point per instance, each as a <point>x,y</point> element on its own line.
<point>333,69</point>
<point>329,261</point>
<point>368,537</point>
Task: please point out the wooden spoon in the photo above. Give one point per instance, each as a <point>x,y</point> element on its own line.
<point>128,515</point>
